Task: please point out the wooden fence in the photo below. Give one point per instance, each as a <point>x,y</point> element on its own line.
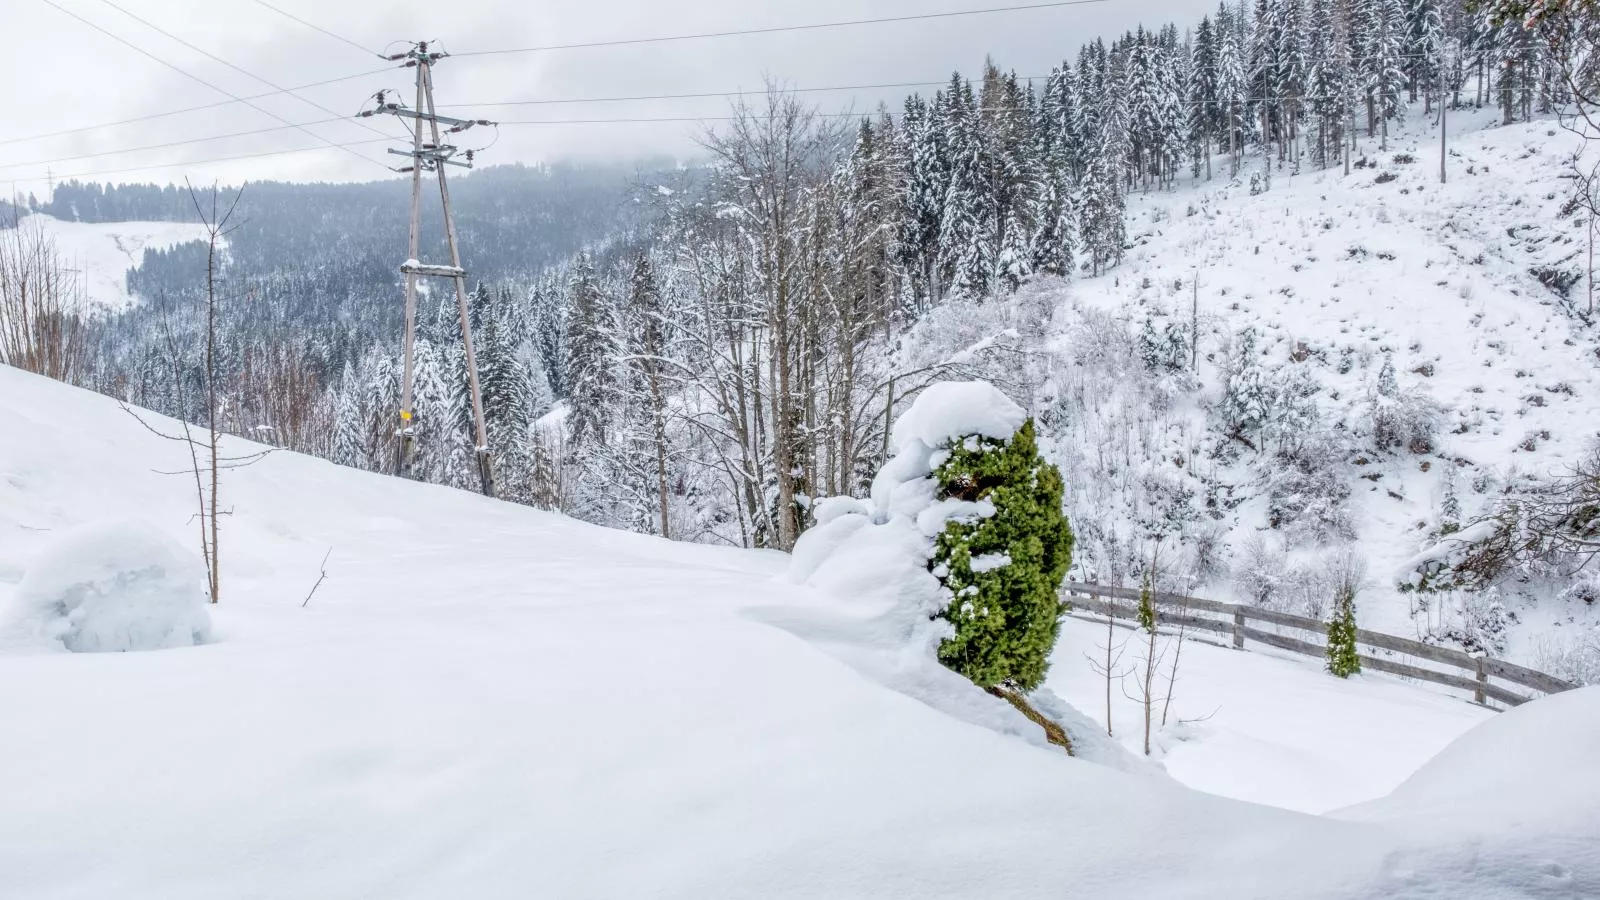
<point>1234,620</point>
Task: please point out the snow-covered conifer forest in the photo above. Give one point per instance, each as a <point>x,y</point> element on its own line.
<point>1291,307</point>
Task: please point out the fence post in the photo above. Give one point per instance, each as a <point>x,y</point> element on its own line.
<point>1478,695</point>
<point>1238,629</point>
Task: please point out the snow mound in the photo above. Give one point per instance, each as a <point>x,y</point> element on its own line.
<point>1534,763</point>
<point>1513,804</point>
<point>878,551</point>
<point>115,586</point>
<point>871,559</point>
<point>953,409</point>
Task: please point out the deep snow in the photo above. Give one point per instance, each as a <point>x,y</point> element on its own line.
<point>112,587</point>
<point>488,701</point>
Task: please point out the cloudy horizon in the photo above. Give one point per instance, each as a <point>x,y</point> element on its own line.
<point>69,74</point>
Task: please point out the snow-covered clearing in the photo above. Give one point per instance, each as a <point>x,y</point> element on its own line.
<point>488,701</point>
<point>101,253</point>
<point>1266,726</point>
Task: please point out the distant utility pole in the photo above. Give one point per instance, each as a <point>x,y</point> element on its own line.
<point>433,155</point>
<point>1444,131</point>
<point>1194,327</point>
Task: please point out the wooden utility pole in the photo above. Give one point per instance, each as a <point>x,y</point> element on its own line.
<point>433,155</point>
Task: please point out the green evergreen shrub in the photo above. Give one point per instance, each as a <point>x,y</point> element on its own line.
<point>1343,658</point>
<point>1147,605</point>
<point>1007,612</point>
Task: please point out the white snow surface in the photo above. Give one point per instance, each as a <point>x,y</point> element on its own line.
<point>112,587</point>
<point>486,701</point>
<point>1265,726</point>
<point>101,253</point>
<point>953,409</point>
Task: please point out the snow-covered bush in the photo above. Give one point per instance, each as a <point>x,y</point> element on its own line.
<point>1576,659</point>
<point>1585,588</point>
<point>1480,621</point>
<point>1164,350</point>
<point>1259,571</point>
<point>1004,569</point>
<point>115,586</point>
<point>1400,419</point>
<point>1308,488</point>
<point>1248,393</point>
<point>1208,557</point>
<point>963,540</point>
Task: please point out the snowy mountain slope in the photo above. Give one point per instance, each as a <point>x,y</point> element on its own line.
<point>1334,275</point>
<point>101,253</point>
<point>489,701</point>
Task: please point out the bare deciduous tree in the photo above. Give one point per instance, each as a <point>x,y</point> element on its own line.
<point>41,304</point>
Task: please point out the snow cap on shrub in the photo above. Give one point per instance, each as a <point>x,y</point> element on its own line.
<point>957,409</point>
<point>115,586</point>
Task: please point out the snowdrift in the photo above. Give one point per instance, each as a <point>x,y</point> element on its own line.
<point>1517,797</point>
<point>114,587</point>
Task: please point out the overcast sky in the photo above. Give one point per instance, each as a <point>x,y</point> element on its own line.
<point>60,73</point>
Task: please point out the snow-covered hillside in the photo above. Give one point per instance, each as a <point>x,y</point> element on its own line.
<point>1268,461</point>
<point>101,253</point>
<point>489,701</point>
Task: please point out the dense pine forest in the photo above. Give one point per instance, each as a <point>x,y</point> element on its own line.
<point>698,351</point>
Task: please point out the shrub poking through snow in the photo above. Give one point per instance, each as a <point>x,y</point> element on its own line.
<point>1147,605</point>
<point>1343,658</point>
<point>116,586</point>
<point>1003,569</point>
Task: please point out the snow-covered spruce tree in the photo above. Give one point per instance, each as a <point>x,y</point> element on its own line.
<point>1004,569</point>
<point>1205,115</point>
<point>350,439</point>
<point>591,356</point>
<point>1343,658</point>
<point>967,251</point>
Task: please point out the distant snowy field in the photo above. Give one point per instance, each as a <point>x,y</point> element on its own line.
<point>489,701</point>
<point>101,253</point>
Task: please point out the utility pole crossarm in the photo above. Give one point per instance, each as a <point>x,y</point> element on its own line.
<point>395,109</point>
<point>412,267</point>
<point>430,156</point>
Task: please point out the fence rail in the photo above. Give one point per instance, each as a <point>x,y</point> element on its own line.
<point>1200,614</point>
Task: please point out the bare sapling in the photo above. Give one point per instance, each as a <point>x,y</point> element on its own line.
<point>206,458</point>
<point>1110,666</point>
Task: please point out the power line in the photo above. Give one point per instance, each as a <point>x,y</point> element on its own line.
<point>185,73</point>
<point>773,29</point>
<point>201,140</point>
<point>217,159</point>
<point>248,74</point>
<point>317,28</point>
<point>189,109</point>
<point>706,94</point>
<point>651,119</point>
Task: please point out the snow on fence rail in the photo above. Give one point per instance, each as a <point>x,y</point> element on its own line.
<point>1199,614</point>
